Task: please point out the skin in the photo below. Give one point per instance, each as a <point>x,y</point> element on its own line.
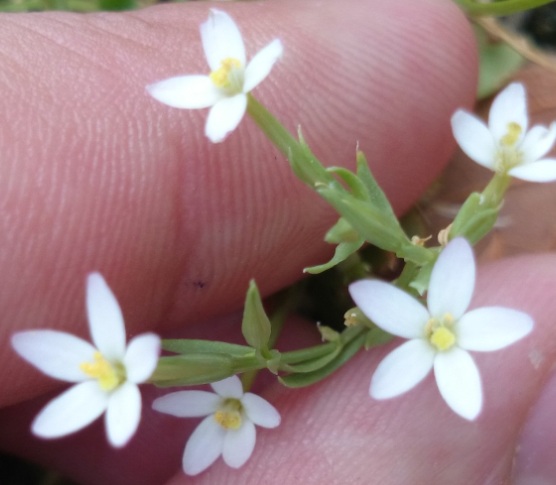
<point>96,175</point>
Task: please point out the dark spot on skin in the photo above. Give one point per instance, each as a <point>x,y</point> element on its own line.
<point>199,284</point>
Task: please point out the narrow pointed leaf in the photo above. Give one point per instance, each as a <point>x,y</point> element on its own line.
<point>256,325</point>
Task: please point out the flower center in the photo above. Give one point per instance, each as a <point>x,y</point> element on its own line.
<point>509,156</point>
<point>439,332</point>
<point>512,135</point>
<point>109,376</point>
<point>229,76</point>
<point>229,415</point>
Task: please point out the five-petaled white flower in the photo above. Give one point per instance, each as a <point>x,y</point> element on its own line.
<point>506,146</point>
<point>228,429</point>
<point>226,87</point>
<point>106,374</point>
<point>440,335</point>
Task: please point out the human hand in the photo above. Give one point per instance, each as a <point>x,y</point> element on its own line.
<point>98,176</point>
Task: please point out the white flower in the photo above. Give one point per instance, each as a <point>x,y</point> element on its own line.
<point>226,87</point>
<point>440,335</point>
<point>106,374</point>
<point>228,429</point>
<point>506,146</point>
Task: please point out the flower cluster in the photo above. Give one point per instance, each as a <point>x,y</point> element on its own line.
<point>440,329</point>
<point>440,334</point>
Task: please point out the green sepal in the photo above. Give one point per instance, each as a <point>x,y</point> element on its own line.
<point>475,218</point>
<point>347,352</point>
<point>191,369</point>
<point>192,346</point>
<point>255,326</point>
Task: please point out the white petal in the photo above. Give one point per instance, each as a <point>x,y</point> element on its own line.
<point>474,138</point>
<point>390,308</point>
<point>221,39</point>
<point>492,328</point>
<point>57,354</point>
<point>188,404</point>
<point>229,387</point>
<point>509,106</point>
<point>224,117</point>
<point>106,321</point>
<point>459,382</point>
<point>260,66</point>
<point>71,411</point>
<point>203,447</point>
<point>541,171</point>
<point>123,414</point>
<point>402,369</point>
<point>260,411</point>
<point>452,280</point>
<point>239,445</point>
<point>141,357</point>
<point>538,142</point>
<point>188,92</point>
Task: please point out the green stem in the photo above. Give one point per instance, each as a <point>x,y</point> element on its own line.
<point>303,162</point>
<point>496,189</point>
<point>506,7</point>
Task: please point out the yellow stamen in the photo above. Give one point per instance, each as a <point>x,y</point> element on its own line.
<point>226,76</point>
<point>109,376</point>
<point>229,416</point>
<point>512,135</point>
<point>442,338</point>
<point>440,333</point>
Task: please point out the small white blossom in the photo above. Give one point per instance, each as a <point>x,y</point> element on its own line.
<point>229,426</point>
<point>106,374</point>
<point>225,88</point>
<point>440,336</point>
<point>505,145</point>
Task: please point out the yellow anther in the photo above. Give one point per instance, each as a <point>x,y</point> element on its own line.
<point>109,376</point>
<point>226,75</point>
<point>229,415</point>
<point>512,135</point>
<point>439,332</point>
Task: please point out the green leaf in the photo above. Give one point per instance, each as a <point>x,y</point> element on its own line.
<point>306,379</point>
<point>341,232</point>
<point>376,194</point>
<point>255,327</point>
<point>421,282</point>
<point>475,218</point>
<point>357,187</point>
<point>377,337</point>
<point>315,364</point>
<point>328,334</point>
<point>341,253</point>
<point>191,369</point>
<point>497,63</point>
<point>192,346</point>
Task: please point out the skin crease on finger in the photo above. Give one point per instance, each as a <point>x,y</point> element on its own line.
<point>96,175</point>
